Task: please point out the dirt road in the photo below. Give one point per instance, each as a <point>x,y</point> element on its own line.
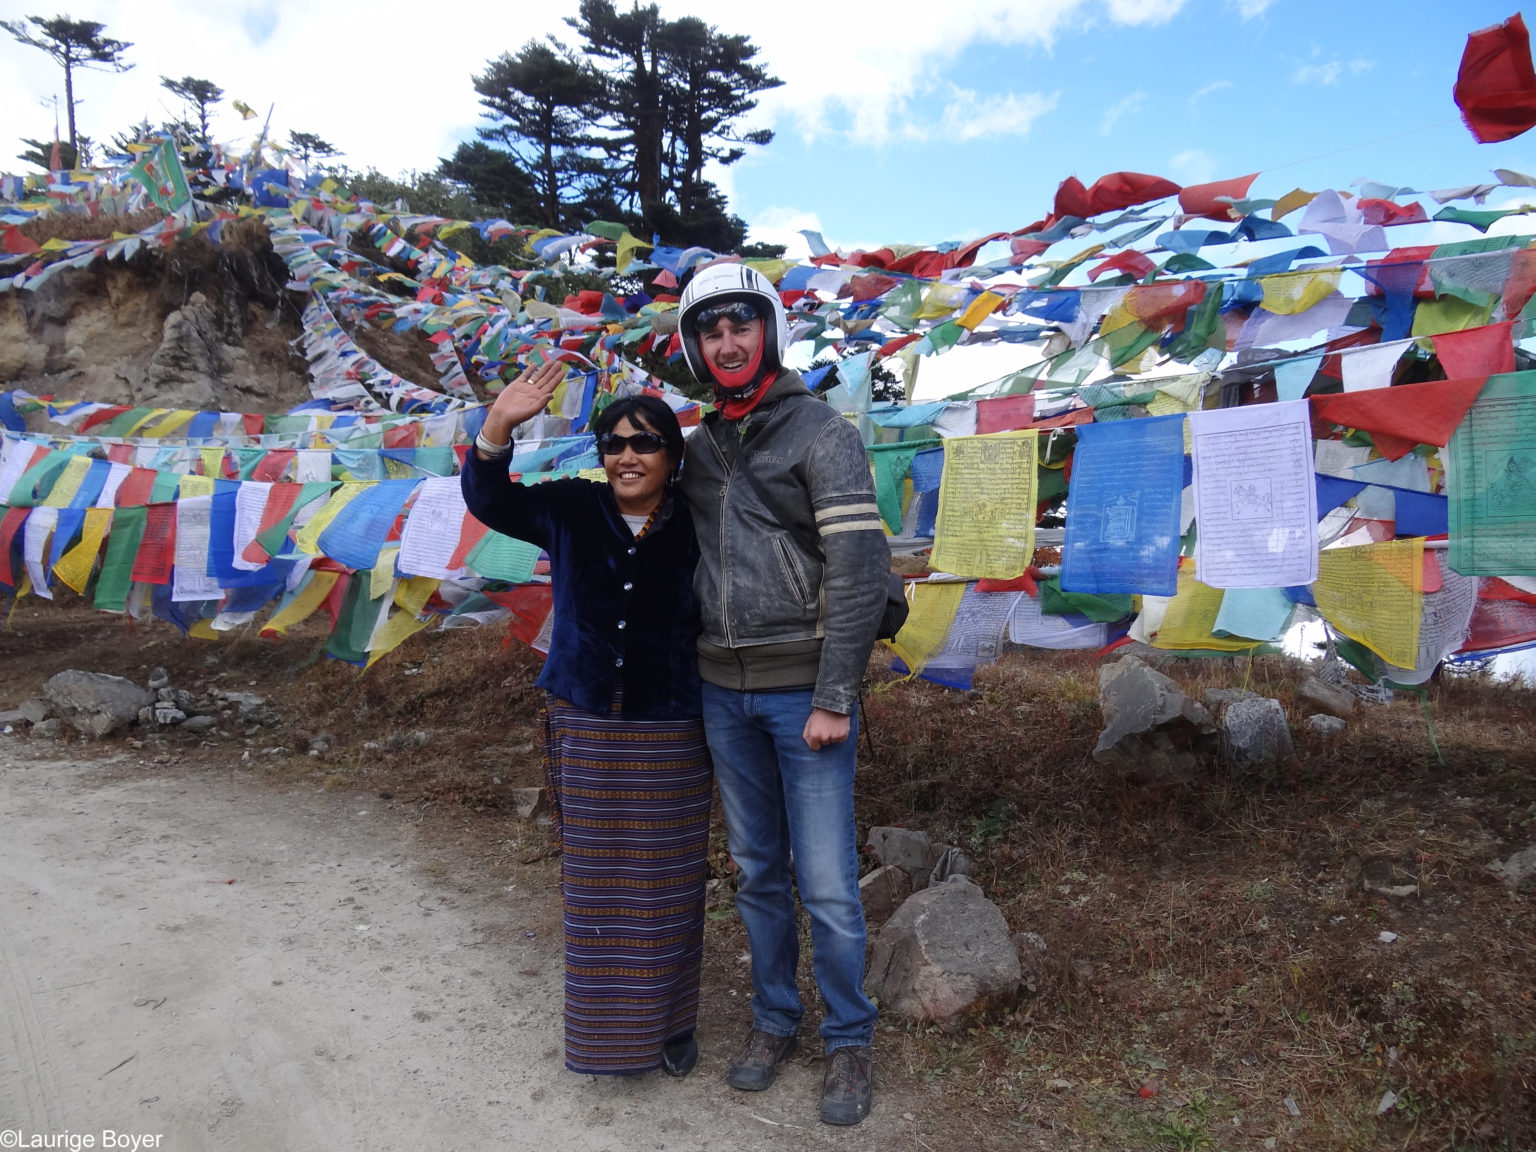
<point>191,961</point>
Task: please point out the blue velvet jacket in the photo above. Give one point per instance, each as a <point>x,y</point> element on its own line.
<point>625,614</point>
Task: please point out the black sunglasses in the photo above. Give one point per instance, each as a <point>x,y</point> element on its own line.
<point>644,443</point>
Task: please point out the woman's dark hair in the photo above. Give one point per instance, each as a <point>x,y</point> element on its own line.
<point>644,412</point>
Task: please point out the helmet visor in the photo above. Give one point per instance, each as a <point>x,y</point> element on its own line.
<point>737,311</point>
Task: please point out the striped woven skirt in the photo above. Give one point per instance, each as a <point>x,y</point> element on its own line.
<point>632,801</point>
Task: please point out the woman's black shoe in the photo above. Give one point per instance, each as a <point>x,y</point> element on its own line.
<point>680,1055</point>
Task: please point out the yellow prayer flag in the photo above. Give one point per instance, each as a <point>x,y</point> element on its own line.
<point>1191,615</point>
<point>940,300</point>
<point>1292,200</point>
<point>986,521</point>
<point>174,422</point>
<point>74,567</point>
<point>933,609</point>
<point>1287,293</point>
<point>308,538</point>
<point>380,575</point>
<point>628,246</point>
<point>1375,594</point>
<point>213,462</point>
<point>195,486</point>
<point>302,606</point>
<point>68,482</point>
<point>980,308</point>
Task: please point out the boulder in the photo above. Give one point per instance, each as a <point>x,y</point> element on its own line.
<point>906,848</point>
<point>1148,723</point>
<point>883,890</point>
<point>531,802</point>
<point>1326,727</point>
<point>1314,696</point>
<point>95,703</point>
<point>198,724</point>
<point>1255,733</point>
<point>944,955</point>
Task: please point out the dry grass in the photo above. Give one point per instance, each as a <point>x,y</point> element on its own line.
<point>1211,943</point>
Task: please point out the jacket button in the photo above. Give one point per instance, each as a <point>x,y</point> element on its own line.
<point>619,663</point>
<point>623,624</point>
<point>631,550</point>
<point>628,586</point>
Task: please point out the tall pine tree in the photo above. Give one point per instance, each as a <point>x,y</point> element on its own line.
<point>73,44</point>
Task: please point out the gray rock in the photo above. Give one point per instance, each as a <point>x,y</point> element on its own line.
<point>1255,733</point>
<point>531,802</point>
<point>158,679</point>
<point>882,892</point>
<point>165,695</point>
<point>1516,870</point>
<point>1149,725</point>
<point>944,955</point>
<point>14,716</point>
<point>321,743</point>
<point>94,703</point>
<point>1217,699</point>
<point>1326,727</point>
<point>49,729</point>
<point>34,711</point>
<point>1314,696</point>
<point>147,715</point>
<point>169,714</point>
<point>906,848</point>
<point>951,862</point>
<point>198,724</point>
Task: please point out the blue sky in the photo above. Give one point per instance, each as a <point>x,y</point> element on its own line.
<point>899,122</point>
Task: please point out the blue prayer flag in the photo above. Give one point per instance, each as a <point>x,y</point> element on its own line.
<point>1123,508</point>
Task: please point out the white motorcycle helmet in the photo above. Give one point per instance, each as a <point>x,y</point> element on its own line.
<point>725,284</point>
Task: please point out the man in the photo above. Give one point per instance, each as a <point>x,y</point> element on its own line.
<point>791,586</point>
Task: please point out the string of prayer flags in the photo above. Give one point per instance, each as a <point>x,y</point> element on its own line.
<point>1123,534</point>
<point>1255,499</point>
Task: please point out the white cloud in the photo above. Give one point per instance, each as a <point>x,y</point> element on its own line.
<point>1144,11</point>
<point>1193,167</point>
<point>1248,9</point>
<point>1325,75</point>
<point>1119,108</point>
<point>969,116</point>
<point>1209,89</point>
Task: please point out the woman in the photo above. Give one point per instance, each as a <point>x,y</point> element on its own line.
<point>625,750</point>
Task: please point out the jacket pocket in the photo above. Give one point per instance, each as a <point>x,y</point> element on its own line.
<point>799,586</point>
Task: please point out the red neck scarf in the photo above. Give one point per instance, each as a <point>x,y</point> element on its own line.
<point>736,407</point>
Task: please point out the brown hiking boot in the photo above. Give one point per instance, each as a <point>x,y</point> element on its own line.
<point>846,1092</point>
<point>758,1063</point>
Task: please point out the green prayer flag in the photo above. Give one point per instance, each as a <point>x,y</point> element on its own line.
<point>272,539</point>
<point>1491,481</point>
<point>159,171</point>
<point>499,557</point>
<point>117,565</point>
<point>1101,609</point>
<point>37,481</point>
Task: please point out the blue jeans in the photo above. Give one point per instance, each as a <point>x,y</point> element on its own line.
<point>781,797</point>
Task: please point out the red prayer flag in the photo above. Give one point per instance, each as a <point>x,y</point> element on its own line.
<point>1129,260</point>
<point>1419,413</point>
<point>157,550</point>
<point>1476,351</point>
<point>1004,413</point>
<point>1496,85</point>
<point>1200,199</point>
